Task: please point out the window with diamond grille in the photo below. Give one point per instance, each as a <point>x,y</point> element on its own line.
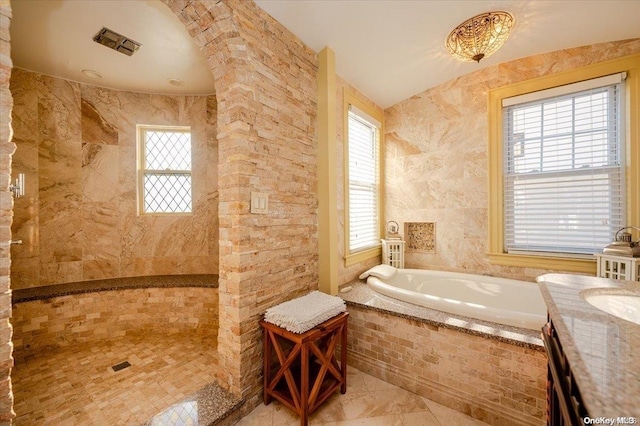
<point>164,169</point>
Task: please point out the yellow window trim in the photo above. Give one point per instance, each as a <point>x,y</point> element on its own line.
<point>361,256</point>
<point>629,64</point>
<point>351,98</point>
<point>328,250</point>
<point>141,129</point>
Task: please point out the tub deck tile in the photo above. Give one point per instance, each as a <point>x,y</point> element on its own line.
<point>362,296</point>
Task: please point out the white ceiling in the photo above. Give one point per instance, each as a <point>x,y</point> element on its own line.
<point>393,49</point>
<point>388,49</point>
<point>55,37</point>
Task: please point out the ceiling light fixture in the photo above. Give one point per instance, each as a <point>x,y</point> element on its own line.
<point>92,74</point>
<point>480,36</point>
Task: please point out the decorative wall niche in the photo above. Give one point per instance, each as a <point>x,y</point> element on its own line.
<point>421,236</point>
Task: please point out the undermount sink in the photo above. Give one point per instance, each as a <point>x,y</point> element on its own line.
<point>625,306</point>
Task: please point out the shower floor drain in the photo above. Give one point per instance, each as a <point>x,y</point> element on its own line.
<point>121,366</point>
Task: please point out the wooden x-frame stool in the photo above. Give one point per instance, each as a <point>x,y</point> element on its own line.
<point>306,372</point>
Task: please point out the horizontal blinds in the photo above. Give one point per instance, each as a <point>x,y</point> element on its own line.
<point>564,172</point>
<point>363,116</point>
<point>364,229</point>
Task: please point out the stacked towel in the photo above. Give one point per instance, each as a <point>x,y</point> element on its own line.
<point>304,313</point>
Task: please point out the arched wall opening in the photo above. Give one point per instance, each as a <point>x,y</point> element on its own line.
<point>266,92</point>
<point>265,80</point>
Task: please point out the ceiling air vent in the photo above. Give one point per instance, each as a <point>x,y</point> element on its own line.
<point>116,41</point>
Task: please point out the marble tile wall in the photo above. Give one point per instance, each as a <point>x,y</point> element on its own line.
<point>436,157</point>
<point>7,148</point>
<point>493,381</point>
<point>78,221</point>
<point>265,80</point>
<point>81,318</point>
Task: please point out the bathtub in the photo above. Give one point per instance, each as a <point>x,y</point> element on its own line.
<point>499,300</point>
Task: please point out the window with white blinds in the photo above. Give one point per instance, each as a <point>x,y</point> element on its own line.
<point>364,181</point>
<point>564,168</point>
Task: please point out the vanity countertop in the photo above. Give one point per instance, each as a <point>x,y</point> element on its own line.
<point>602,350</point>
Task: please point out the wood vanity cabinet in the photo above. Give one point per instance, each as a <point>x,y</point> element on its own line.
<point>564,403</point>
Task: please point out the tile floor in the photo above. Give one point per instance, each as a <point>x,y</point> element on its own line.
<point>368,402</point>
<point>77,386</point>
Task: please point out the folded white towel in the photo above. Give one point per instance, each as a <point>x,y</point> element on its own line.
<point>381,271</point>
<point>304,313</point>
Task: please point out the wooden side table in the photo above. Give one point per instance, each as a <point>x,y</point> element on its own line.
<point>306,372</point>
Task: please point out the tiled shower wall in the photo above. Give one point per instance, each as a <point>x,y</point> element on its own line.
<point>265,81</point>
<point>78,221</point>
<point>436,157</point>
<point>6,150</point>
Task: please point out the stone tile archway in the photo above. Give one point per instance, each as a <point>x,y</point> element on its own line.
<point>265,81</point>
<point>213,28</point>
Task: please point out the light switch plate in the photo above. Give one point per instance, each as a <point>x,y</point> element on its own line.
<point>259,203</point>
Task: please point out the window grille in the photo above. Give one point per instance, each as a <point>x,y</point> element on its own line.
<point>165,169</point>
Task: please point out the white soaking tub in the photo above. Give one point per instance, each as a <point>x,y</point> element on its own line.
<point>499,300</point>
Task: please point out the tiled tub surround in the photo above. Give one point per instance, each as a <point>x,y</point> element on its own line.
<point>72,313</point>
<point>436,158</point>
<point>601,349</point>
<point>491,372</point>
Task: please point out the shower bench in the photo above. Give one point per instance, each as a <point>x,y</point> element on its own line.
<point>80,312</point>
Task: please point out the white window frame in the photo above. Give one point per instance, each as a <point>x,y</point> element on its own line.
<point>143,171</point>
<point>496,253</point>
<point>529,230</point>
<point>373,117</point>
